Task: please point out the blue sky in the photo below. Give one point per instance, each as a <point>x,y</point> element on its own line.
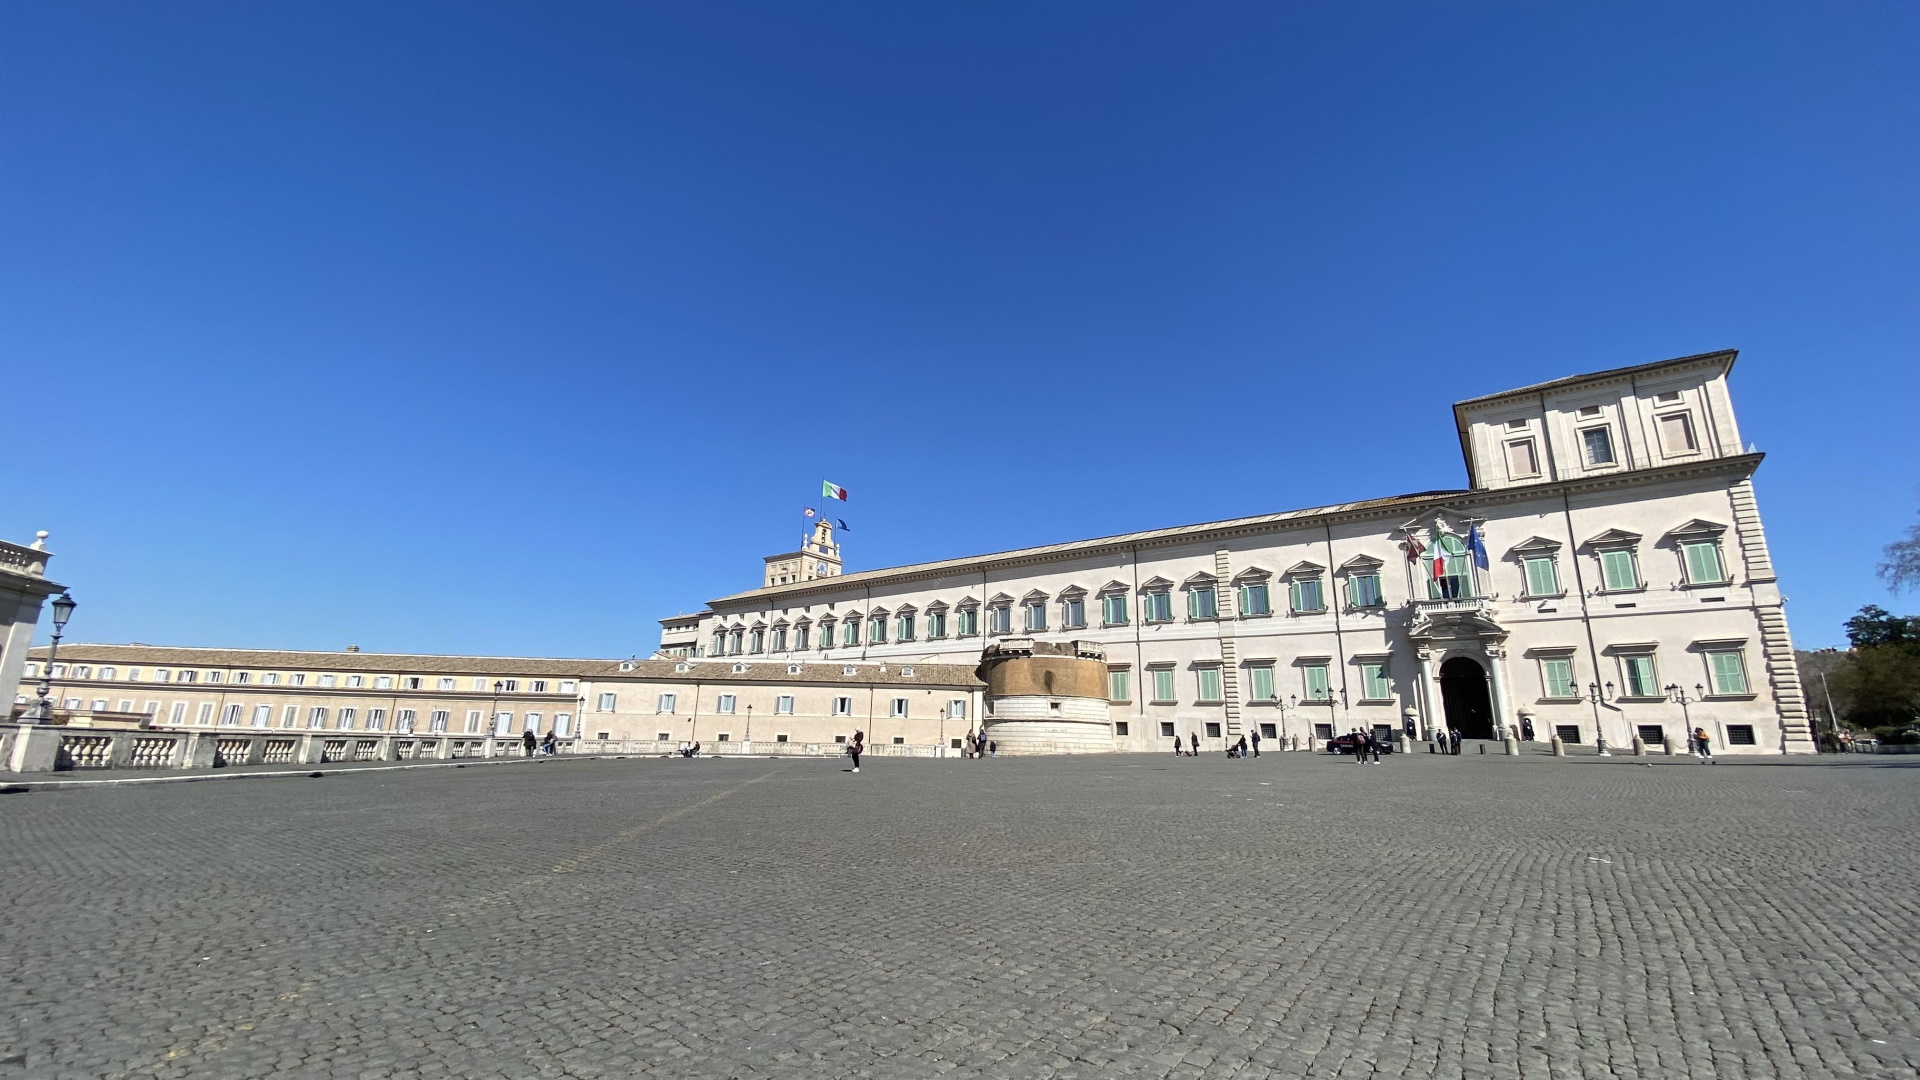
<point>510,329</point>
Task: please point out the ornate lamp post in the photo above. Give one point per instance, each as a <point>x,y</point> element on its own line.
<point>749,739</point>
<point>1286,742</point>
<point>1680,697</point>
<point>42,710</point>
<point>1597,695</point>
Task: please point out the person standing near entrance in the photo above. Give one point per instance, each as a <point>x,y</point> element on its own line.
<point>1453,741</point>
<point>1526,728</point>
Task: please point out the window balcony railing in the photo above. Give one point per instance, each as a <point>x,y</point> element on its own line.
<point>1476,605</point>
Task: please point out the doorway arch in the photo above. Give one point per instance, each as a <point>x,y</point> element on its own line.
<point>1463,693</point>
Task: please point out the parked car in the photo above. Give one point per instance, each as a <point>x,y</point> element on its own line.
<point>1344,744</point>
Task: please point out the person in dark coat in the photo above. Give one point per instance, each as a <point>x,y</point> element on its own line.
<point>1195,737</point>
<point>1526,728</point>
<point>855,747</point>
<point>1256,742</point>
<point>550,745</point>
<point>528,739</point>
<point>1453,741</point>
<point>1241,747</point>
<point>1179,748</point>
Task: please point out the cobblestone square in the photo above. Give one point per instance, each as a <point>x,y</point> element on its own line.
<point>1124,915</point>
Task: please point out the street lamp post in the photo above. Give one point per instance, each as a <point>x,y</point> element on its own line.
<point>1597,695</point>
<point>42,711</point>
<point>1286,741</point>
<point>749,739</point>
<point>1680,698</point>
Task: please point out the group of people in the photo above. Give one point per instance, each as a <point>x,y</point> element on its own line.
<point>978,746</point>
<point>1238,749</point>
<point>535,744</point>
<point>1365,743</point>
<point>1445,741</point>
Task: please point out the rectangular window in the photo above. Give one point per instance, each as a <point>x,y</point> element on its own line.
<point>1319,686</point>
<point>567,686</point>
<point>1676,434</point>
<point>1156,606</point>
<point>1253,599</point>
<point>1119,727</point>
<point>969,622</point>
<point>1213,729</point>
<point>230,716</point>
<point>1000,619</point>
<point>179,714</point>
<point>262,715</point>
<point>725,704</point>
<point>1543,577</point>
<point>783,705</point>
<point>1166,729</point>
<point>206,712</point>
<point>843,706</point>
<point>957,709</point>
<point>345,718</point>
<point>446,684</point>
<point>1374,685</point>
<point>1073,614</point>
<point>800,636</point>
<point>665,704</point>
<point>826,635</point>
<point>1617,570</point>
<point>936,625</point>
<point>240,678</point>
<point>562,724</point>
<point>473,721</point>
<point>608,702</point>
<point>1703,563</point>
<point>438,721</point>
<point>1113,609</point>
<point>1598,442</point>
<point>1203,603</point>
<point>403,720</point>
<point>897,708</point>
<point>317,717</point>
<point>1740,735</point>
<point>720,643</point>
<point>1364,590</point>
<point>1163,686</point>
<point>1260,682</point>
<point>1642,681</point>
<point>383,682</point>
<point>1119,685</point>
<point>1568,733</point>
<point>290,716</point>
<point>905,630</point>
<point>850,634</point>
<point>877,631</point>
<point>1036,612</point>
<point>355,682</point>
<point>1521,459</point>
<point>376,719</point>
<point>411,682</point>
<point>213,676</point>
<point>1307,596</point>
<point>1556,676</point>
<point>1208,680</point>
<point>1729,671</point>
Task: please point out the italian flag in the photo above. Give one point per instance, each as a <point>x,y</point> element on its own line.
<point>1439,562</point>
<point>830,490</point>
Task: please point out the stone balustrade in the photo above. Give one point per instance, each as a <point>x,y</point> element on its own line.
<point>57,748</point>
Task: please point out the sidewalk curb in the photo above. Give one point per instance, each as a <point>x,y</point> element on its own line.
<point>27,786</point>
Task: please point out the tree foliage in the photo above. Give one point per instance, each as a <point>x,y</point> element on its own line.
<point>1875,626</point>
<point>1878,685</point>
<point>1901,571</point>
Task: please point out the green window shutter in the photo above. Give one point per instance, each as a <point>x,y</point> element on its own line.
<point>1703,563</point>
<point>1617,571</point>
<point>1729,674</point>
<point>1318,688</point>
<point>1559,676</point>
<point>1163,684</point>
<point>1542,580</point>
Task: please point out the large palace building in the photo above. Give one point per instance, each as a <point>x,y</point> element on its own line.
<point>1603,576</point>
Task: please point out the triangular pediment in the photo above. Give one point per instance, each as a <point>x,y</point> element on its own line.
<point>1361,564</point>
<point>1305,569</point>
<point>1034,595</point>
<point>1252,574</point>
<point>1614,538</point>
<point>1199,580</point>
<point>1535,545</point>
<point>1156,582</point>
<point>937,605</point>
<point>1000,598</point>
<point>1114,587</point>
<point>1072,592</point>
<point>1699,527</point>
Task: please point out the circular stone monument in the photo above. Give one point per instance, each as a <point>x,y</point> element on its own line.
<point>1046,698</point>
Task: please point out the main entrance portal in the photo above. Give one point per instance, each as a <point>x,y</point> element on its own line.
<point>1463,692</point>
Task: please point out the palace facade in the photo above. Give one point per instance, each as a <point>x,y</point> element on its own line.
<point>1604,575</point>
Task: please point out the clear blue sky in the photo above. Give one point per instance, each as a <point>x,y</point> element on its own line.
<point>492,328</point>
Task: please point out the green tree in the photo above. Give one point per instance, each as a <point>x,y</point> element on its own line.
<point>1878,685</point>
<point>1876,626</point>
<point>1901,571</point>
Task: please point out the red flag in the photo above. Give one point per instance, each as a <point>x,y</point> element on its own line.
<point>1414,548</point>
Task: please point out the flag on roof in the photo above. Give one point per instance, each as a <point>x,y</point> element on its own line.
<point>807,511</point>
<point>843,524</point>
<point>1477,547</point>
<point>831,490</point>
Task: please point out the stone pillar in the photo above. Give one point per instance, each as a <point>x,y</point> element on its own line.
<point>199,750</point>
<point>1430,692</point>
<point>35,748</point>
<point>309,750</point>
<point>1497,664</point>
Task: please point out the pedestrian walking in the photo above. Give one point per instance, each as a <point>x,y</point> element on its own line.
<point>1195,737</point>
<point>1702,746</point>
<point>1256,742</point>
<point>993,748</point>
<point>1179,748</point>
<point>854,748</point>
<point>528,739</point>
<point>1241,746</point>
<point>1373,746</point>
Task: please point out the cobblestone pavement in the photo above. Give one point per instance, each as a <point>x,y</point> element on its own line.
<point>1091,917</point>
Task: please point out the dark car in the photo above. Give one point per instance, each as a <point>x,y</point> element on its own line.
<point>1344,744</point>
